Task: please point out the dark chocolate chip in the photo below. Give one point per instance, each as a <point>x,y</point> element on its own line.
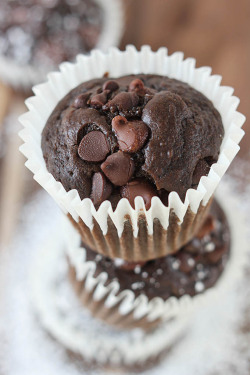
<point>101,188</point>
<point>202,168</point>
<point>193,247</point>
<point>207,227</point>
<point>98,100</point>
<point>216,255</point>
<point>93,147</point>
<point>131,135</point>
<point>187,262</point>
<point>123,102</point>
<point>119,168</point>
<point>138,86</point>
<point>110,85</point>
<point>139,187</point>
<point>81,101</point>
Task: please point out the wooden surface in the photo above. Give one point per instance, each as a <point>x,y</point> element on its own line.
<point>216,33</point>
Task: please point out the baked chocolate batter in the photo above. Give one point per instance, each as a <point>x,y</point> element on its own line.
<point>142,135</point>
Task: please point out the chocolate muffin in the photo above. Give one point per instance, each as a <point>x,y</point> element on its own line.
<point>195,268</point>
<point>46,32</point>
<point>144,135</point>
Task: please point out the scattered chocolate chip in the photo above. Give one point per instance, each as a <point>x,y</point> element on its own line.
<point>138,187</point>
<point>110,85</point>
<point>193,247</point>
<point>118,167</point>
<point>131,135</point>
<point>207,227</point>
<point>123,102</point>
<point>81,101</point>
<point>202,168</point>
<point>187,262</point>
<point>98,100</point>
<point>216,255</point>
<point>101,188</point>
<point>138,86</point>
<point>93,147</point>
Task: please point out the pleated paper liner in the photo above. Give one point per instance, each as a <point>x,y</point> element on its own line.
<point>23,77</point>
<point>122,308</point>
<point>127,233</point>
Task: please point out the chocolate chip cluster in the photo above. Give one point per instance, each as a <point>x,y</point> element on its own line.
<point>144,135</point>
<point>117,168</point>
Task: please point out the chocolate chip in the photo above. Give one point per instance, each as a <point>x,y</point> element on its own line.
<point>123,102</point>
<point>131,135</point>
<point>187,262</point>
<point>193,247</point>
<point>110,85</point>
<point>138,187</point>
<point>207,227</point>
<point>98,100</point>
<point>138,86</point>
<point>202,168</point>
<point>216,255</point>
<point>93,147</point>
<point>119,168</point>
<point>81,101</point>
<point>101,188</point>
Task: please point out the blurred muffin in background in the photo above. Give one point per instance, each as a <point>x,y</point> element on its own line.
<point>37,35</point>
<point>47,32</point>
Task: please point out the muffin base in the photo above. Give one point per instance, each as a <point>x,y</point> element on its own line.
<point>144,246</point>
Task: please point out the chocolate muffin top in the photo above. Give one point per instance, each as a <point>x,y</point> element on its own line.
<point>142,135</point>
<point>47,32</point>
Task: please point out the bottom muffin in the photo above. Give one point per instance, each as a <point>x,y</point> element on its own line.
<point>193,269</point>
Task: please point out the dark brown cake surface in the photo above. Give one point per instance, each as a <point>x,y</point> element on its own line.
<point>195,268</point>
<point>142,135</point>
<point>47,32</point>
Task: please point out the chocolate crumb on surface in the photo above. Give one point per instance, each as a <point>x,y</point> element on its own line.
<point>193,269</point>
<point>147,134</point>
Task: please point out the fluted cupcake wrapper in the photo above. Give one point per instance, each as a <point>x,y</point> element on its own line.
<point>108,302</point>
<point>132,234</point>
<point>23,77</point>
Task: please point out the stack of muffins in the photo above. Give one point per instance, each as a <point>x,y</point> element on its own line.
<point>132,146</point>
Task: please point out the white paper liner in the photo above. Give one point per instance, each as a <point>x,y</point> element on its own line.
<point>62,315</point>
<point>25,76</point>
<point>119,63</point>
<point>157,308</point>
